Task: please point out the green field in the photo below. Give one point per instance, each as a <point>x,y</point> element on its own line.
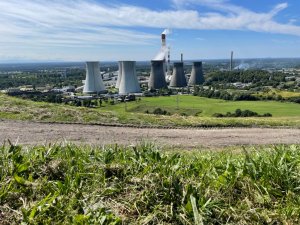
<point>206,107</point>
<point>143,184</point>
<point>133,113</point>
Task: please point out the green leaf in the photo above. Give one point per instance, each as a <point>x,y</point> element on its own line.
<point>19,180</point>
<point>23,167</point>
<point>197,217</point>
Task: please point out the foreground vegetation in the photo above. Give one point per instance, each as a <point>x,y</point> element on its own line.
<point>198,112</point>
<point>69,184</point>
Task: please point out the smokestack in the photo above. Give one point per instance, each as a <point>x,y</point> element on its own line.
<point>157,78</point>
<point>119,75</point>
<point>129,82</point>
<point>181,57</point>
<point>93,82</point>
<point>231,61</point>
<point>197,77</point>
<point>168,65</point>
<point>163,40</point>
<point>178,78</point>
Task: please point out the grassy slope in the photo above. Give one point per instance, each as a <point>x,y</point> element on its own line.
<point>144,185</point>
<point>285,114</point>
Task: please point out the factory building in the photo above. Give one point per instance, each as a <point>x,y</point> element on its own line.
<point>157,78</point>
<point>93,82</point>
<point>197,77</point>
<point>129,82</point>
<point>178,78</point>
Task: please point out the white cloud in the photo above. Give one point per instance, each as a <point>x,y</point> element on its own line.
<point>86,23</point>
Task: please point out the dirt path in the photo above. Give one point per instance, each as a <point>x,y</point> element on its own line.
<point>31,133</point>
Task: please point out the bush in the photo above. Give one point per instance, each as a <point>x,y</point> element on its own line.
<point>241,113</point>
<point>159,111</point>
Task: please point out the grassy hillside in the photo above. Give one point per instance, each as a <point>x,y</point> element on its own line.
<point>144,185</point>
<point>284,114</point>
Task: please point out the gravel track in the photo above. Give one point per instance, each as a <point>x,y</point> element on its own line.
<point>32,133</point>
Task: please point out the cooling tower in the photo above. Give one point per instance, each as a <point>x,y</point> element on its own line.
<point>93,82</point>
<point>119,75</point>
<point>129,82</point>
<point>178,78</point>
<point>197,77</point>
<point>157,78</point>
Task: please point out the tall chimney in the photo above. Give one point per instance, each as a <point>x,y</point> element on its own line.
<point>181,57</point>
<point>163,40</point>
<point>231,61</point>
<point>168,65</point>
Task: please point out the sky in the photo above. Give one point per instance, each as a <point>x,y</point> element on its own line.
<point>82,30</point>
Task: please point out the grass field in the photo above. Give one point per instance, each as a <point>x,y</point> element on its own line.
<point>143,184</point>
<point>284,114</point>
<point>206,107</point>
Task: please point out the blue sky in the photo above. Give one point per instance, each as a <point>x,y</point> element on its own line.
<point>80,30</point>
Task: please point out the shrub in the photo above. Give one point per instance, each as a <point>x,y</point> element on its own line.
<point>241,113</point>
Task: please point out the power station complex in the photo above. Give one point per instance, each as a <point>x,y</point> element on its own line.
<point>128,83</point>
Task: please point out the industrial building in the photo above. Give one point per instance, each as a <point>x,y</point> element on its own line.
<point>178,78</point>
<point>129,82</point>
<point>157,78</point>
<point>197,77</point>
<point>93,82</point>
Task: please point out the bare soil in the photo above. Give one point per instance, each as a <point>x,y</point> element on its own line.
<point>32,133</point>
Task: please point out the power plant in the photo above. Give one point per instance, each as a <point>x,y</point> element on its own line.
<point>157,78</point>
<point>197,77</point>
<point>93,82</point>
<point>178,78</point>
<point>129,82</point>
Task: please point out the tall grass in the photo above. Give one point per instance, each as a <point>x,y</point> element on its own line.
<point>70,184</point>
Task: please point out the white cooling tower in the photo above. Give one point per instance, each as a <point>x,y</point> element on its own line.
<point>93,81</point>
<point>129,82</point>
<point>119,75</point>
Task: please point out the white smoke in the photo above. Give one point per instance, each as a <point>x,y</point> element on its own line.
<point>243,66</point>
<point>162,54</point>
<point>167,31</point>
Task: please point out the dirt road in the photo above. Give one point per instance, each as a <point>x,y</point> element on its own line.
<point>31,133</point>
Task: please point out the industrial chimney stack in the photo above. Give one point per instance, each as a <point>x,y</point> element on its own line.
<point>157,78</point>
<point>231,61</point>
<point>197,77</point>
<point>163,40</point>
<point>93,82</point>
<point>129,82</point>
<point>178,78</point>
